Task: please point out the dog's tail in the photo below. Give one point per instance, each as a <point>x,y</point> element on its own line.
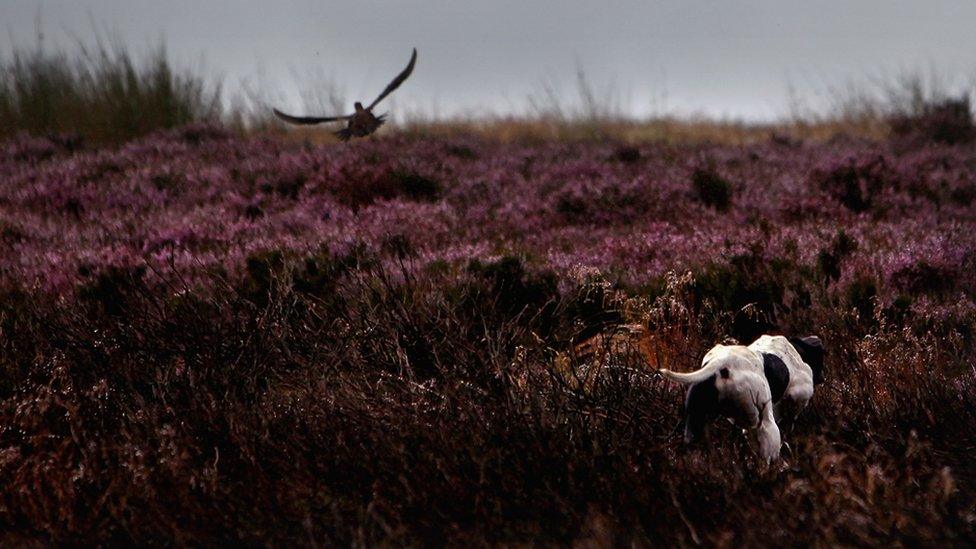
<point>688,378</point>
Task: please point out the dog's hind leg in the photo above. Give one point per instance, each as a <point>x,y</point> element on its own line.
<point>768,437</point>
<point>767,434</point>
<point>701,405</point>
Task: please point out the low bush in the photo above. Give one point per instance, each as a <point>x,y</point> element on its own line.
<point>361,186</point>
<point>949,121</point>
<point>857,180</point>
<point>711,189</point>
<point>830,259</point>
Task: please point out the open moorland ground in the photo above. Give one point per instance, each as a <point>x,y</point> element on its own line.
<point>207,338</point>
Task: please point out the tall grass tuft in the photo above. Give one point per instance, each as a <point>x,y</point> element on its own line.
<point>103,94</point>
<point>916,105</point>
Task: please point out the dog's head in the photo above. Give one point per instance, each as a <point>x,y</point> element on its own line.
<point>812,352</point>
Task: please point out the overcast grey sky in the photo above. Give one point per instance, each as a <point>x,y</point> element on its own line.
<point>717,57</point>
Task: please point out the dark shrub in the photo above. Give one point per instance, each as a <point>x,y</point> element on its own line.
<point>398,246</point>
<point>963,195</point>
<point>924,278</point>
<point>320,273</point>
<point>361,188</point>
<point>285,185</point>
<point>599,204</point>
<point>627,154</point>
<point>253,211</point>
<point>785,140</point>
<point>744,289</point>
<point>513,286</point>
<point>829,259</point>
<point>415,186</point>
<point>264,271</point>
<point>163,181</point>
<point>855,182</point>
<point>860,296</point>
<point>949,121</point>
<point>594,308</point>
<point>199,132</point>
<point>513,291</point>
<point>69,142</point>
<point>463,152</point>
<point>899,310</point>
<point>711,189</point>
<point>11,233</point>
<point>573,207</point>
<point>112,287</point>
<point>316,277</point>
<point>73,207</point>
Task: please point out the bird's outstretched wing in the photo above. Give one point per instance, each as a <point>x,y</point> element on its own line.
<point>396,81</point>
<point>308,119</point>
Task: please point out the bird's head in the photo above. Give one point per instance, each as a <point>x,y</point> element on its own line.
<point>359,107</point>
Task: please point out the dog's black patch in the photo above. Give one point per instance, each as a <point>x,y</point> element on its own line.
<point>777,375</point>
<point>701,405</point>
<point>724,372</point>
<point>812,352</point>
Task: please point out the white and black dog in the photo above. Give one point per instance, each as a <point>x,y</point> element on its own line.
<point>756,386</point>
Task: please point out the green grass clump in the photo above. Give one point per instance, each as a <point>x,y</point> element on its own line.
<point>103,94</point>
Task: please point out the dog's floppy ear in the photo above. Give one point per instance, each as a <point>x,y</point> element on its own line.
<point>812,351</point>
